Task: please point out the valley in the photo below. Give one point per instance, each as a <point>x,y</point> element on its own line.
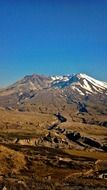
<point>53,134</point>
<point>35,156</point>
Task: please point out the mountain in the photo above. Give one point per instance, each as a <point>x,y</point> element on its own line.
<point>54,92</point>
<point>81,83</point>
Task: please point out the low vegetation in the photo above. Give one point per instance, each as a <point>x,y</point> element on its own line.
<point>35,153</point>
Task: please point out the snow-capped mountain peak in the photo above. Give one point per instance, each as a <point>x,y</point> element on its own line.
<point>81,83</point>
<point>91,84</point>
<point>38,88</point>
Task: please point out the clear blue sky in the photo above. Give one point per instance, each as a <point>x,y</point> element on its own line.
<point>52,37</point>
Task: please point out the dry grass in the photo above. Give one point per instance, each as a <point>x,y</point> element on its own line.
<point>24,124</point>
<point>94,131</point>
<point>14,117</point>
<point>41,164</point>
<point>94,155</point>
<point>10,160</point>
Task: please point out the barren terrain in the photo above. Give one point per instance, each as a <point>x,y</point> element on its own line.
<point>41,151</point>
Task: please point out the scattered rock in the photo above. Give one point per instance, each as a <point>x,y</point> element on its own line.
<point>60,130</point>
<point>104,147</point>
<point>91,142</point>
<point>82,107</point>
<point>104,124</point>
<point>74,136</point>
<point>60,117</point>
<point>48,137</point>
<point>56,140</point>
<point>52,126</point>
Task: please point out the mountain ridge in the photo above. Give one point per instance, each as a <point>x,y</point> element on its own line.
<point>55,79</point>
<point>54,91</point>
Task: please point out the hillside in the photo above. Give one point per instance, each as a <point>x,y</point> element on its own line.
<point>53,133</point>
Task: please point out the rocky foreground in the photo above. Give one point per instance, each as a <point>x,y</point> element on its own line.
<point>52,151</point>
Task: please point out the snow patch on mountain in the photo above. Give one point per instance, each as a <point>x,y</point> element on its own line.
<point>87,86</point>
<point>77,90</point>
<point>60,78</point>
<point>81,83</point>
<point>95,82</point>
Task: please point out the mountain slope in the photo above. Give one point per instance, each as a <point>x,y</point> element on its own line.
<point>81,83</point>
<point>56,92</point>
